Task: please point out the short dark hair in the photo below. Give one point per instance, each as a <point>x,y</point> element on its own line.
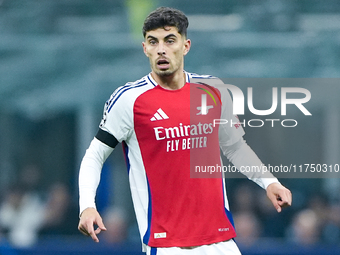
<point>166,16</point>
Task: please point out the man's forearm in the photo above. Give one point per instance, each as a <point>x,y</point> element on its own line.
<point>89,174</point>
<point>242,156</point>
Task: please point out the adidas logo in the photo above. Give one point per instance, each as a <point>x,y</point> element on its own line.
<point>159,115</point>
<point>160,235</point>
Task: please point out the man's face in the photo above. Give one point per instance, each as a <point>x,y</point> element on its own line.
<point>166,48</point>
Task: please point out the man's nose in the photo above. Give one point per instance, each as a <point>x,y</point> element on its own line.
<point>161,49</point>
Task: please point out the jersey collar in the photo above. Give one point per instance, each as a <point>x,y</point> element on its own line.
<point>153,82</point>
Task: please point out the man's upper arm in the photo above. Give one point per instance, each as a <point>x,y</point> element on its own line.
<point>117,121</point>
<point>106,138</point>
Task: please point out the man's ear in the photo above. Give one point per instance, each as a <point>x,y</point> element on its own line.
<point>144,49</point>
<point>187,45</point>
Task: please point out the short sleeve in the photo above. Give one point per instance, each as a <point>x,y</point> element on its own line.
<point>230,128</point>
<point>117,115</point>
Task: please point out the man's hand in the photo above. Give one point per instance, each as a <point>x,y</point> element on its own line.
<point>88,219</point>
<point>279,195</point>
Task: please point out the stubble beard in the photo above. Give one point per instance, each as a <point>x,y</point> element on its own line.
<point>164,73</point>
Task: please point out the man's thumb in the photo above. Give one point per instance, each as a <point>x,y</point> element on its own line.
<point>273,199</point>
<point>100,224</point>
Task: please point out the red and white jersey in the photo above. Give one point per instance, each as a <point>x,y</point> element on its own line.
<point>166,133</point>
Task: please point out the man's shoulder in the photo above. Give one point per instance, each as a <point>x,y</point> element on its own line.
<point>135,87</point>
<point>206,79</point>
<point>144,82</point>
<point>199,76</point>
<point>127,93</point>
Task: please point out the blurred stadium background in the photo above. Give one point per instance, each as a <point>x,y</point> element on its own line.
<point>61,60</point>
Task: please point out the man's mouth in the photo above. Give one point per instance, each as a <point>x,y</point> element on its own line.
<point>163,64</point>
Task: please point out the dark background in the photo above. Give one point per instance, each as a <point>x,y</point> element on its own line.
<point>61,60</point>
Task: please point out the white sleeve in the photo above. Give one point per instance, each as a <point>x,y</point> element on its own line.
<point>243,157</point>
<point>89,173</point>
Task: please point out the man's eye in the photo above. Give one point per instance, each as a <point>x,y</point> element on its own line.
<point>170,41</point>
<point>152,42</point>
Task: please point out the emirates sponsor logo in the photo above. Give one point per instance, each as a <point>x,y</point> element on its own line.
<point>183,137</point>
<point>162,133</point>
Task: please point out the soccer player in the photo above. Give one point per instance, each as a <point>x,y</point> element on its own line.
<point>165,123</point>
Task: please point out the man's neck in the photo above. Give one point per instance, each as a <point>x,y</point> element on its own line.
<point>171,82</point>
